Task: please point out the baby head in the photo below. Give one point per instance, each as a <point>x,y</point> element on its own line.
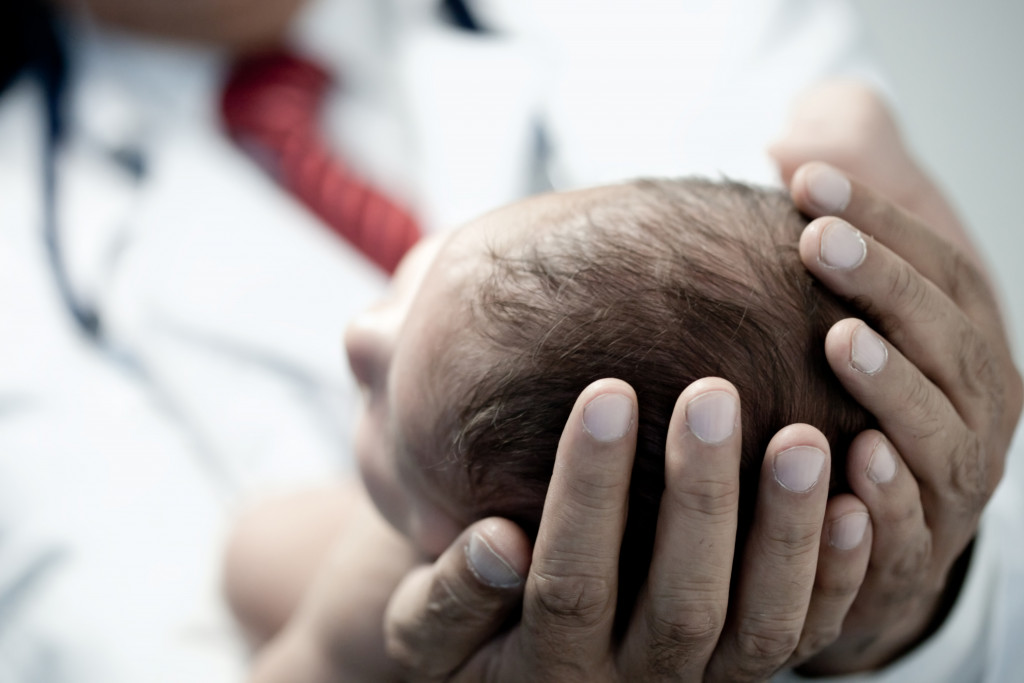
<point>474,364</point>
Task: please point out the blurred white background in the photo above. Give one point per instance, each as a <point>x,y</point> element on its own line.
<point>957,69</point>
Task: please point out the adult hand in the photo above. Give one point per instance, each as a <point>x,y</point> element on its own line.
<point>942,384</point>
<point>847,124</point>
<point>951,416</point>
<point>441,621</point>
<point>946,392</point>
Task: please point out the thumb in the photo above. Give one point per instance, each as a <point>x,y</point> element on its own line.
<point>441,614</point>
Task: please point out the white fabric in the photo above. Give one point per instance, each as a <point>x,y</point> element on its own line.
<point>224,301</point>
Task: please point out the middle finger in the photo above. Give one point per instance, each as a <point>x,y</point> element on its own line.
<point>683,608</point>
<point>776,573</point>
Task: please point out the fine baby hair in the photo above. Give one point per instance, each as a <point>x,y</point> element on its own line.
<point>657,283</point>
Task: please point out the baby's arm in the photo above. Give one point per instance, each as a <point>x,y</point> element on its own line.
<point>309,577</point>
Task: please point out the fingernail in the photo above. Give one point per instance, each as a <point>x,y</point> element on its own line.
<point>608,417</point>
<point>488,566</point>
<point>882,465</point>
<point>867,352</point>
<point>828,189</point>
<point>797,469</point>
<point>712,416</point>
<point>847,532</point>
<point>842,247</point>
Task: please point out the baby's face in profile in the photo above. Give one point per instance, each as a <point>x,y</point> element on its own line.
<point>388,348</point>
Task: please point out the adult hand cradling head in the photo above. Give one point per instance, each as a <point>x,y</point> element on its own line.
<point>943,388</point>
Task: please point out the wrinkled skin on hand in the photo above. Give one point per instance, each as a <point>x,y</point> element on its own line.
<point>947,396</point>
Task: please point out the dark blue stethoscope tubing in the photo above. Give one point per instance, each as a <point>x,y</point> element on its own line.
<point>51,68</point>
<point>51,71</point>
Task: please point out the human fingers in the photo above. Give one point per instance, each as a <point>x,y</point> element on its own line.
<point>847,123</point>
<point>683,608</point>
<point>845,549</point>
<point>776,572</point>
<point>904,578</point>
<point>902,542</point>
<point>945,391</point>
<point>442,613</point>
<point>949,461</point>
<point>571,590</point>
<point>912,313</point>
<point>911,554</point>
<point>821,190</point>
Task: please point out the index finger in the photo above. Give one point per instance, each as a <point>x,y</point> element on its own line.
<point>572,587</point>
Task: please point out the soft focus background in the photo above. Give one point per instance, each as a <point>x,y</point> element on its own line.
<point>956,68</point>
<point>112,523</point>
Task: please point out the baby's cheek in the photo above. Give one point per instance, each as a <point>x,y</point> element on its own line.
<point>377,470</point>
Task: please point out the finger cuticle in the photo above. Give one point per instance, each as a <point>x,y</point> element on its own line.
<point>828,189</point>
<point>488,566</point>
<point>711,417</point>
<point>842,247</point>
<point>868,354</point>
<point>798,469</point>
<point>882,465</point>
<point>608,417</point>
<point>847,532</point>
